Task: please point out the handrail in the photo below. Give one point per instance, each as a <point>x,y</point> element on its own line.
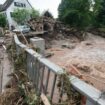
<point>93,95</point>
<point>43,60</point>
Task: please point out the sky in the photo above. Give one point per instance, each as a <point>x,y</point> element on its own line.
<point>42,5</point>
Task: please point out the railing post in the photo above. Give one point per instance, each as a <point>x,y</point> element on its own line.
<point>42,76</point>
<point>47,81</point>
<point>53,86</point>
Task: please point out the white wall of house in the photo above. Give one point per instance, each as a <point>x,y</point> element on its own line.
<point>12,7</point>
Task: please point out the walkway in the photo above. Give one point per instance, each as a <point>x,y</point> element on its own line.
<point>5,67</point>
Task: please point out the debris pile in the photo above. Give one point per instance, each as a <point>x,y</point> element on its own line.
<point>98,31</point>
<point>42,24</point>
<point>54,27</point>
<point>19,90</point>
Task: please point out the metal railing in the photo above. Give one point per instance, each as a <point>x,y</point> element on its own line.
<point>44,76</point>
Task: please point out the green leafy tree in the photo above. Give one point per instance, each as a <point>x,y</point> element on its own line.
<point>34,13</point>
<point>21,16</point>
<point>3,21</point>
<point>78,13</point>
<point>48,14</point>
<point>100,15</point>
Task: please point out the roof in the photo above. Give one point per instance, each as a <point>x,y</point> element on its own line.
<point>5,5</point>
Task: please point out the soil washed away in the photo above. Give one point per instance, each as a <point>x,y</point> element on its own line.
<point>87,56</point>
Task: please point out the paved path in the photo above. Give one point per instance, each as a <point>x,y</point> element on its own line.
<point>5,67</point>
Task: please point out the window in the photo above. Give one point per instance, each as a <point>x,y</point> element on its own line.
<point>11,13</point>
<point>24,5</point>
<point>15,4</point>
<point>19,4</point>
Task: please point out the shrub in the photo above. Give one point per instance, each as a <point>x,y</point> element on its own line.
<point>3,21</point>
<point>79,13</point>
<point>34,13</point>
<point>21,16</point>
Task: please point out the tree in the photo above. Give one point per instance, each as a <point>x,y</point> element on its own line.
<point>34,13</point>
<point>48,14</point>
<point>21,16</point>
<point>100,16</point>
<point>3,21</point>
<point>77,13</point>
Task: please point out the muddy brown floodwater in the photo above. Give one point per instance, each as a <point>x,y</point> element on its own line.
<point>87,56</point>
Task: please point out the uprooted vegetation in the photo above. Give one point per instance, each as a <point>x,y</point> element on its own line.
<point>19,91</point>
<point>68,92</point>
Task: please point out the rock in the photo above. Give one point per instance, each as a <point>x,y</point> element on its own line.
<point>88,44</point>
<point>84,68</point>
<point>65,45</point>
<point>69,46</point>
<point>48,55</point>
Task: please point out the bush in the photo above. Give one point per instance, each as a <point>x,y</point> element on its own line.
<point>21,16</point>
<point>100,16</point>
<point>3,21</point>
<point>34,13</point>
<point>79,13</point>
<point>48,14</point>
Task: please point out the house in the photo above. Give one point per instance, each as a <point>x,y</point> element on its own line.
<point>10,5</point>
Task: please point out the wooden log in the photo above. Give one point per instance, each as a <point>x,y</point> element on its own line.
<point>45,100</point>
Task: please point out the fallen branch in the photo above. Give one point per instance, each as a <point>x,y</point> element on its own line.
<point>45,100</point>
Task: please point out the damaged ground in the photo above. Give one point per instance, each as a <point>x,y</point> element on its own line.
<point>65,47</point>
<point>15,86</point>
<point>87,57</point>
<point>79,54</point>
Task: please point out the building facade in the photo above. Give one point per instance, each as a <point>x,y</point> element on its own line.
<point>10,5</point>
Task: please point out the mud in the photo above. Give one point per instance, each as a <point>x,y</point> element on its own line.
<point>87,56</point>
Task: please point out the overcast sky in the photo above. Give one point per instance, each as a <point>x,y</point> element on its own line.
<point>41,5</point>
